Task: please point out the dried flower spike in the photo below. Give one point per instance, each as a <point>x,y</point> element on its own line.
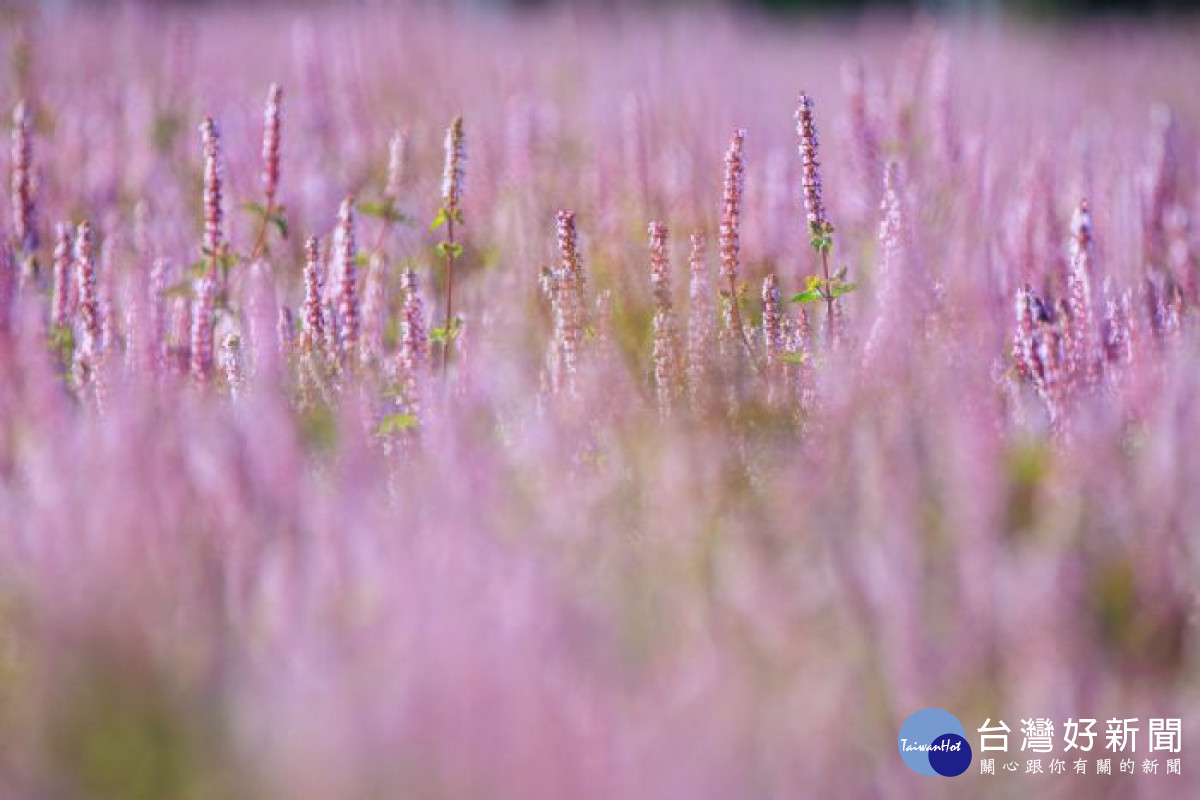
<point>214,218</point>
<point>373,311</point>
<point>91,333</point>
<point>414,346</point>
<point>820,231</point>
<point>272,120</point>
<point>666,337</point>
<point>1083,357</point>
<point>810,163</point>
<point>202,329</point>
<point>565,287</point>
<point>397,165</point>
<point>700,316</point>
<point>60,303</point>
<point>453,178</point>
<point>731,205</point>
<point>313,327</point>
<point>772,324</point>
<point>23,207</point>
<point>454,174</point>
<point>730,232</point>
<point>232,363</point>
<point>1023,341</point>
<point>348,273</point>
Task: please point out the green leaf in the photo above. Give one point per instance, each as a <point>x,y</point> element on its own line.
<point>821,235</point>
<point>279,220</point>
<point>224,259</point>
<point>255,209</point>
<point>385,210</point>
<point>795,357</point>
<point>839,289</point>
<point>440,220</point>
<point>442,335</point>
<point>807,296</point>
<point>374,209</point>
<point>62,341</point>
<point>451,249</point>
<point>396,423</point>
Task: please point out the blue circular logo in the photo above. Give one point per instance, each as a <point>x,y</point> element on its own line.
<point>934,742</point>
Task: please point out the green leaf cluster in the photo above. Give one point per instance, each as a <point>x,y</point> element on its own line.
<point>821,235</point>
<point>395,423</point>
<point>794,357</point>
<point>449,249</point>
<point>447,334</point>
<point>822,289</point>
<point>445,215</point>
<point>385,210</point>
<point>276,216</point>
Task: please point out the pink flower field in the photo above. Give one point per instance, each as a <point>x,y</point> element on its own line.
<point>432,401</point>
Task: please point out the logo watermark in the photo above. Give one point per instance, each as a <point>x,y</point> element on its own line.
<point>934,742</point>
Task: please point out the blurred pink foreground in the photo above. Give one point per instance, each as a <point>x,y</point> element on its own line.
<point>755,424</point>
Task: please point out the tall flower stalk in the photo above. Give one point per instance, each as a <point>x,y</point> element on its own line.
<point>347,256</point>
<point>450,214</point>
<point>270,213</point>
<point>397,171</point>
<point>202,330</point>
<point>60,302</point>
<point>1084,357</point>
<point>23,204</point>
<point>232,364</point>
<point>827,287</point>
<point>730,232</point>
<point>564,285</point>
<point>87,355</point>
<point>772,323</point>
<point>774,338</point>
<point>413,353</point>
<point>214,213</point>
<point>666,337</point>
<point>700,316</point>
<point>313,323</point>
<point>373,311</point>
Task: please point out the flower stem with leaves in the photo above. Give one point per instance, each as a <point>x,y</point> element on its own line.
<point>270,213</point>
<point>449,214</point>
<point>825,287</point>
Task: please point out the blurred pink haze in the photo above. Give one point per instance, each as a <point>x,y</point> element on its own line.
<point>633,522</point>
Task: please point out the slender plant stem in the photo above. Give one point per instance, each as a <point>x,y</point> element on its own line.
<point>381,240</point>
<point>828,290</point>
<point>735,317</point>
<point>448,330</point>
<point>260,240</point>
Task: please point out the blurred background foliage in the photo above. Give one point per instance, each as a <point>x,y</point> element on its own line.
<point>1036,8</point>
